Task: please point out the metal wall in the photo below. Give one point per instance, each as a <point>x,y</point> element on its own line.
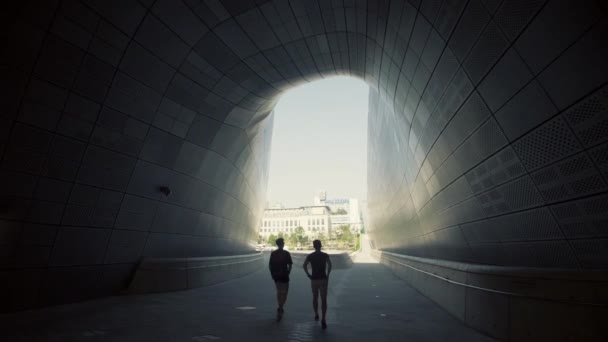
<point>493,148</point>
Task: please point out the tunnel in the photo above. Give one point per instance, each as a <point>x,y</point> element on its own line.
<point>136,131</point>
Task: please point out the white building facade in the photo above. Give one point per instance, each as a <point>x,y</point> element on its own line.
<point>315,220</point>
<point>345,211</point>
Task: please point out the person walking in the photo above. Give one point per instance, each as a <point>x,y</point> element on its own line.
<point>318,279</point>
<point>280,266</point>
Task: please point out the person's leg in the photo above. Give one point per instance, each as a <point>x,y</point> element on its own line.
<point>282,289</point>
<point>278,288</point>
<point>315,296</point>
<point>283,297</point>
<point>323,290</point>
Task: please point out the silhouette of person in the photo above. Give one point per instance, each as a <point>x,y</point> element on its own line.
<point>318,279</point>
<point>280,267</point>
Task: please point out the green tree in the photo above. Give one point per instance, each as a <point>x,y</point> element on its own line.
<point>341,211</point>
<point>298,236</point>
<point>272,239</point>
<point>292,239</point>
<point>345,236</point>
<point>322,237</point>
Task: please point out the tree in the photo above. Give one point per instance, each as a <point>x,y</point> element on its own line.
<point>322,237</point>
<point>272,239</point>
<point>292,239</point>
<point>341,211</point>
<point>300,236</point>
<point>344,234</point>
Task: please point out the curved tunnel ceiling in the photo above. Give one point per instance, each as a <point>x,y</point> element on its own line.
<point>487,129</point>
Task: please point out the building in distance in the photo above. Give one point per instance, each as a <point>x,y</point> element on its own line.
<point>344,211</point>
<point>315,220</point>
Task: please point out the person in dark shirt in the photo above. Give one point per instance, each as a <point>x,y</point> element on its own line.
<point>318,279</point>
<point>280,267</point>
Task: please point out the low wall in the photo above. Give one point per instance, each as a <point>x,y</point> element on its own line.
<point>172,274</point>
<point>338,260</point>
<point>510,303</point>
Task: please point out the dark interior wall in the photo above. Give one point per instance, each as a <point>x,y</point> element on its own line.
<point>487,129</point>
<point>493,149</point>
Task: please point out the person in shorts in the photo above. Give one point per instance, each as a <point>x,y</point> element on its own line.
<point>321,267</point>
<point>280,267</point>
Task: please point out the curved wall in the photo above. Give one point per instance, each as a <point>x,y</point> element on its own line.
<point>487,130</point>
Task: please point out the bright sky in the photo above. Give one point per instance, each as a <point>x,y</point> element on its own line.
<point>319,142</point>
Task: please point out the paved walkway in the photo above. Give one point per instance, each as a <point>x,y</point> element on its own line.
<point>367,303</point>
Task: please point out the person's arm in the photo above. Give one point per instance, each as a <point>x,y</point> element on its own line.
<point>270,266</point>
<point>289,264</point>
<point>328,266</point>
<point>306,262</point>
<point>270,263</point>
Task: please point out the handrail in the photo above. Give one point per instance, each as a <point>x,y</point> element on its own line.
<point>207,266</point>
<point>549,273</point>
<point>220,257</point>
<point>513,294</point>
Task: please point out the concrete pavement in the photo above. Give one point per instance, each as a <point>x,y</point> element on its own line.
<point>366,303</point>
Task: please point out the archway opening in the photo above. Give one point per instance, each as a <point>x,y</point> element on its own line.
<point>317,185</point>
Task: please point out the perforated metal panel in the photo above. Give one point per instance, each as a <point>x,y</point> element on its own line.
<point>600,158</point>
<point>517,194</point>
<point>496,170</point>
<point>589,118</point>
<point>549,142</point>
<point>573,177</point>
